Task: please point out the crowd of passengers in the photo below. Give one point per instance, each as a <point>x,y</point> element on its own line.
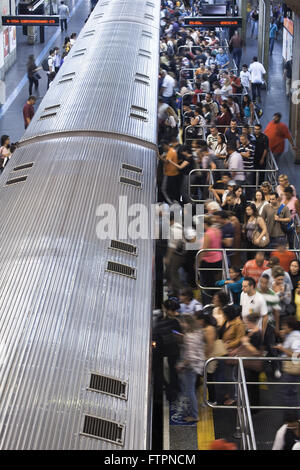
<point>256,310</point>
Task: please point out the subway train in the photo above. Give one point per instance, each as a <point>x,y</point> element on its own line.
<point>75,307</point>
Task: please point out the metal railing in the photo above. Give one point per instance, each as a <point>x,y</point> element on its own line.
<point>204,130</point>
<point>244,424</point>
<point>270,175</point>
<point>200,188</point>
<point>224,269</point>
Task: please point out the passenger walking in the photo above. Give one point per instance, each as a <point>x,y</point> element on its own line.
<point>277,217</point>
<point>253,345</point>
<point>254,16</point>
<point>257,72</point>
<point>291,370</point>
<point>63,12</point>
<point>277,132</point>
<point>273,34</point>
<point>191,365</point>
<point>210,259</point>
<point>28,110</point>
<point>51,67</point>
<point>168,343</point>
<point>57,60</point>
<point>236,43</point>
<point>288,71</point>
<point>32,74</point>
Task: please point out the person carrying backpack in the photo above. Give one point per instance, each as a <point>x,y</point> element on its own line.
<point>49,66</point>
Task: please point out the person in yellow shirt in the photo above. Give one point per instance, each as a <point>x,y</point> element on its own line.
<point>297,301</point>
<point>172,178</point>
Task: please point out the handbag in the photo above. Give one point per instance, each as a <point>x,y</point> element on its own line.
<point>36,76</point>
<point>242,351</point>
<point>264,241</point>
<point>218,351</point>
<point>291,368</point>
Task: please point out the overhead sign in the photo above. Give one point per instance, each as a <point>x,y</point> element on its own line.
<point>216,21</point>
<point>30,20</point>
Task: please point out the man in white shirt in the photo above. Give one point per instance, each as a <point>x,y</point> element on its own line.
<point>245,77</point>
<point>188,305</point>
<point>63,12</point>
<point>235,164</point>
<point>253,302</point>
<point>212,138</point>
<point>167,87</point>
<point>51,67</point>
<point>257,72</point>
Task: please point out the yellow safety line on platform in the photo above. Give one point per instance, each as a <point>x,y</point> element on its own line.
<point>205,426</point>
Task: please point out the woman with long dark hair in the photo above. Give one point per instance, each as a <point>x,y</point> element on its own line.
<point>32,74</point>
<point>253,223</point>
<point>224,119</point>
<point>248,110</point>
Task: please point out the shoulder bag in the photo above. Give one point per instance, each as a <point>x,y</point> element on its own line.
<point>264,241</point>
<point>242,351</point>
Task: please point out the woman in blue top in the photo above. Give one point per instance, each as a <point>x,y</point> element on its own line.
<point>234,284</point>
<point>248,110</point>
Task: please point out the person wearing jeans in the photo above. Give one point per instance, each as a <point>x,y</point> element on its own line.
<point>191,365</point>
<point>291,371</point>
<point>273,32</point>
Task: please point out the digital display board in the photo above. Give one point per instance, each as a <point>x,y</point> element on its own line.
<point>30,20</point>
<point>214,10</point>
<point>207,21</point>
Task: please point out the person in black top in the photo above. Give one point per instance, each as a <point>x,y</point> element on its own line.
<point>253,342</point>
<point>261,151</point>
<point>185,165</point>
<point>288,434</point>
<point>167,334</point>
<point>288,76</point>
<point>294,273</point>
<point>232,135</point>
<point>32,74</point>
<point>247,150</point>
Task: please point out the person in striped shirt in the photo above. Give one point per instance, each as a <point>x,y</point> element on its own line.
<point>255,267</point>
<point>247,150</point>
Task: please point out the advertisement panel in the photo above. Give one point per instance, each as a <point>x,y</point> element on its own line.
<point>12,38</point>
<point>1,50</point>
<point>6,42</point>
<point>288,39</point>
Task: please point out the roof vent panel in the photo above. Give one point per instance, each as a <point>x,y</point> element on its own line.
<point>131,182</point>
<point>136,169</point>
<point>122,269</point>
<point>108,385</point>
<point>123,247</point>
<point>16,180</point>
<point>23,167</point>
<point>106,430</point>
<point>47,116</point>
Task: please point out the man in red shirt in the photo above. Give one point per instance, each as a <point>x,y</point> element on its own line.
<point>28,110</point>
<point>277,132</point>
<point>285,257</point>
<point>255,267</point>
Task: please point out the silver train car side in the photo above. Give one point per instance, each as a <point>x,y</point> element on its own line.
<point>75,310</point>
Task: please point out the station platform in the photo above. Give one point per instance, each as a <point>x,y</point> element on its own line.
<point>11,116</point>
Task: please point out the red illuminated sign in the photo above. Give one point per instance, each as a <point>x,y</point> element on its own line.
<point>213,21</point>
<point>30,20</point>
